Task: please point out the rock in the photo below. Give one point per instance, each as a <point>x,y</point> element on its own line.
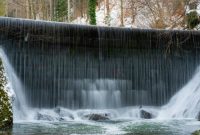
<point>57,110</point>
<point>198,117</point>
<point>145,115</point>
<point>44,117</point>
<point>97,117</point>
<point>196,133</point>
<point>64,113</point>
<point>61,119</point>
<point>6,114</point>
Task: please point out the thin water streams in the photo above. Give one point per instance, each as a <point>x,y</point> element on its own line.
<point>62,73</point>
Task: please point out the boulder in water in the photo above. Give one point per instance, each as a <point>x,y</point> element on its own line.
<point>145,115</point>
<point>44,117</point>
<point>57,110</point>
<point>97,117</point>
<point>64,113</point>
<point>61,119</point>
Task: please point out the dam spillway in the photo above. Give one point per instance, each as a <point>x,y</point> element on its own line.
<point>76,66</point>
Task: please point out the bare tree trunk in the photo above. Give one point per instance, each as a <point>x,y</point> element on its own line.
<point>33,9</point>
<point>69,11</point>
<point>122,13</point>
<point>52,7</point>
<point>6,8</point>
<point>107,8</point>
<point>29,9</point>
<point>81,8</point>
<point>44,9</point>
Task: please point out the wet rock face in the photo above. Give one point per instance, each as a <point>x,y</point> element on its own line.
<point>6,114</point>
<point>97,117</point>
<point>145,115</point>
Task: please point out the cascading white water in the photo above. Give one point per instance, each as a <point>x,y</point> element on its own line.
<point>186,103</point>
<point>19,105</point>
<point>101,93</point>
<point>94,68</point>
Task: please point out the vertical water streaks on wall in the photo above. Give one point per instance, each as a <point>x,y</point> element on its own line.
<point>78,66</point>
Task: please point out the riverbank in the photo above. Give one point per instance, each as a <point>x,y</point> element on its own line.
<point>6,114</point>
<point>196,132</point>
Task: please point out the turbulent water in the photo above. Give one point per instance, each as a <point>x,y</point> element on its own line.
<point>186,103</point>
<point>136,127</point>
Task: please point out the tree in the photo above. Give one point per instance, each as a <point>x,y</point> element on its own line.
<point>133,7</point>
<point>122,13</point>
<point>92,12</point>
<point>165,13</point>
<point>2,7</point>
<point>69,10</point>
<point>107,15</point>
<point>192,19</point>
<point>61,10</point>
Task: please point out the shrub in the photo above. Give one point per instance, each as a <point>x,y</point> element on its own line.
<point>6,115</point>
<point>92,12</point>
<point>192,19</point>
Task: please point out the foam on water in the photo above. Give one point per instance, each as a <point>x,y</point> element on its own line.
<point>186,102</point>
<point>64,115</point>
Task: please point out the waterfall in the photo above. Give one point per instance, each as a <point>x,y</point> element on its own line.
<point>186,102</point>
<point>19,104</point>
<point>55,67</point>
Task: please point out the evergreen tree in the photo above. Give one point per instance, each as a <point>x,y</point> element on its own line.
<point>192,19</point>
<point>92,11</point>
<point>61,10</point>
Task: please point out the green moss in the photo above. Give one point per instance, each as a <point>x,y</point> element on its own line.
<point>192,19</point>
<point>196,133</point>
<point>6,115</point>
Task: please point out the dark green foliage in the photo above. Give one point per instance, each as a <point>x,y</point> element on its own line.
<point>192,19</point>
<point>60,10</point>
<point>196,133</point>
<point>6,115</point>
<point>92,11</point>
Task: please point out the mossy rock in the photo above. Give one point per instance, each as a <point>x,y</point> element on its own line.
<point>6,115</point>
<point>196,133</point>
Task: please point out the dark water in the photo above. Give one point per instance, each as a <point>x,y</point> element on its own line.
<point>128,127</point>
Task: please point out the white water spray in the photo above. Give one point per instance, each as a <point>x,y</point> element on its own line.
<point>186,103</point>
<point>19,105</point>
